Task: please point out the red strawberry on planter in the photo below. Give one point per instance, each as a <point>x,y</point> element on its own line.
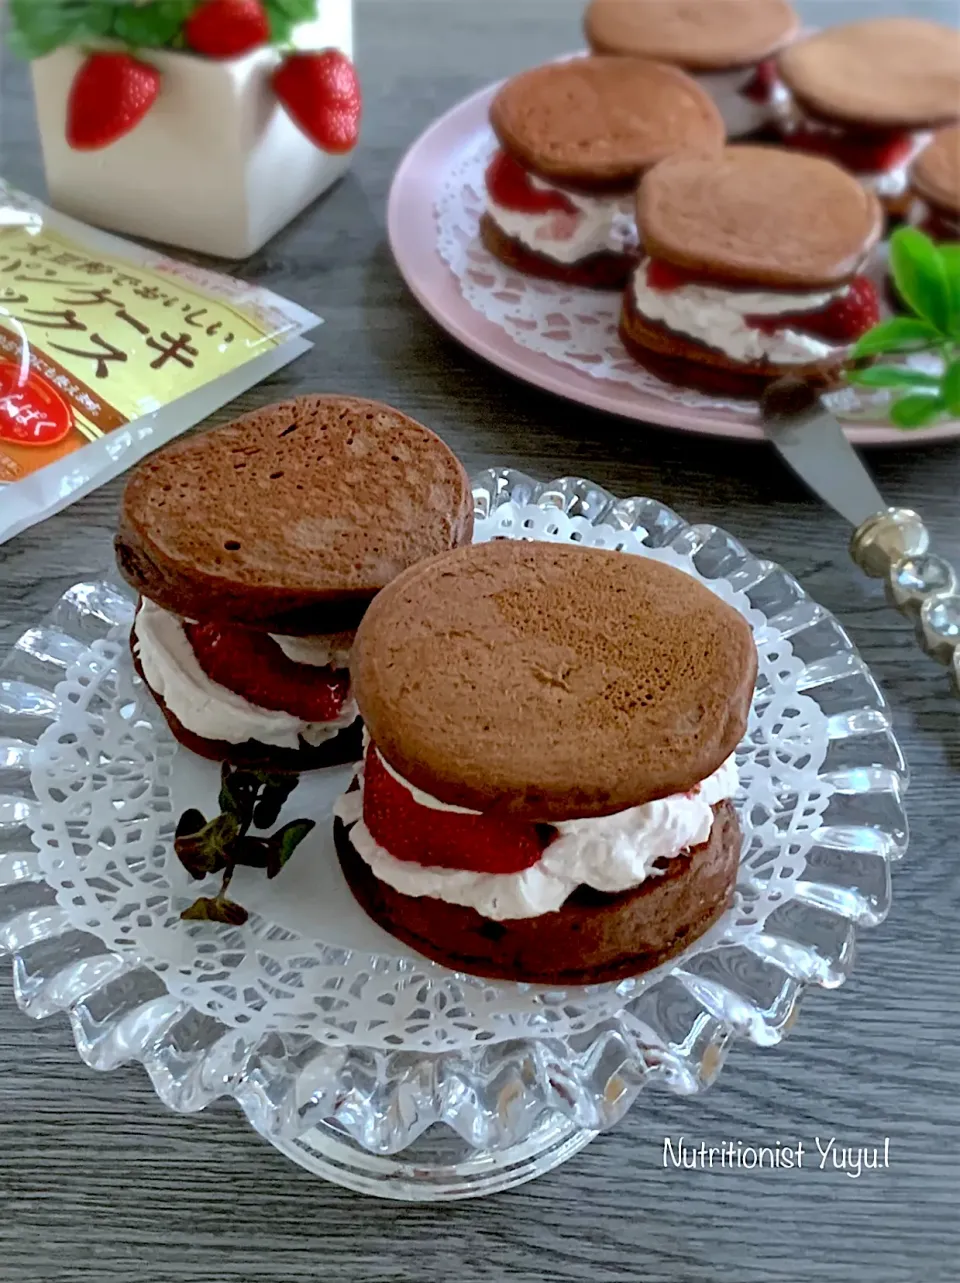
<point>321,94</point>
<point>227,28</point>
<point>110,95</point>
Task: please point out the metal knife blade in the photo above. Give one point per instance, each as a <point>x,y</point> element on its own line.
<point>810,439</point>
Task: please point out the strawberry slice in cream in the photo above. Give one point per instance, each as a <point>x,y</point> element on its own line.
<point>555,222</point>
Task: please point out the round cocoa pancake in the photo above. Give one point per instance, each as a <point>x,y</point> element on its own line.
<point>597,123</point>
<point>759,215</point>
<point>605,271</point>
<point>883,73</point>
<point>550,681</point>
<point>593,937</point>
<point>676,358</point>
<point>700,35</point>
<point>346,746</point>
<point>935,176</point>
<point>292,518</point>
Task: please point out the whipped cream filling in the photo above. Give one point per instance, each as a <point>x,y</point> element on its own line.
<point>204,706</point>
<point>601,224</point>
<point>717,317</point>
<point>331,651</point>
<point>741,115</point>
<point>894,182</point>
<point>610,853</point>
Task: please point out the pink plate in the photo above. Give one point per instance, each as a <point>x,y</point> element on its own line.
<point>411,225</point>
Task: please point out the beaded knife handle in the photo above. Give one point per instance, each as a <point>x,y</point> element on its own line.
<point>892,546</point>
<point>887,543</point>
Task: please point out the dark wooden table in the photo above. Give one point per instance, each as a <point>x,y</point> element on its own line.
<point>98,1182</point>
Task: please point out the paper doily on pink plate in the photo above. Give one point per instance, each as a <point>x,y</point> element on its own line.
<point>558,337</point>
<point>343,1048</point>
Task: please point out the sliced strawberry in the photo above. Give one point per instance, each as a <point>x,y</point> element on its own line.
<point>860,153</point>
<point>253,665</point>
<point>443,839</point>
<point>321,94</point>
<point>842,321</point>
<point>227,28</point>
<point>509,185</point>
<point>664,276</point>
<point>762,84</point>
<point>940,227</point>
<point>110,95</point>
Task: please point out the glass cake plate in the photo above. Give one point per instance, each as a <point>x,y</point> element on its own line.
<point>351,1054</point>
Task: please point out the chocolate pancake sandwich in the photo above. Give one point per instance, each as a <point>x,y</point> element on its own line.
<point>574,139</point>
<point>935,186</point>
<point>256,548</point>
<point>753,270</point>
<point>728,46</point>
<point>867,94</point>
<point>546,794</point>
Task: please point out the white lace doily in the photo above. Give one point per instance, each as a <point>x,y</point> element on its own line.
<point>111,782</point>
<point>574,326</point>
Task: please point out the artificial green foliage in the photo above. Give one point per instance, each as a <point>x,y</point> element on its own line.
<point>927,279</point>
<point>248,799</point>
<point>37,27</point>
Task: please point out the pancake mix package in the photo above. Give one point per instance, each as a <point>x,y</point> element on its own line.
<point>108,350</point>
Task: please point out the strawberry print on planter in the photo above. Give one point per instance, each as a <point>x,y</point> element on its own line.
<point>111,94</point>
<point>227,28</point>
<point>216,162</point>
<point>322,94</point>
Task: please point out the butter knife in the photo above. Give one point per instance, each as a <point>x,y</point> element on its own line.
<point>887,543</point>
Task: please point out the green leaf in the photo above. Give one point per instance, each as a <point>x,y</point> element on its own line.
<point>238,793</point>
<point>97,21</point>
<point>892,376</point>
<point>920,276</point>
<point>152,25</point>
<point>251,853</point>
<point>297,10</point>
<point>901,334</point>
<point>284,15</point>
<point>207,851</point>
<point>950,256</point>
<point>40,26</point>
<point>916,410</point>
<point>190,822</point>
<point>950,388</point>
<point>276,790</point>
<point>285,842</point>
<point>219,909</point>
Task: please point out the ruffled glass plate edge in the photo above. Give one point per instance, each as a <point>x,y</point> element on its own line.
<point>517,1108</point>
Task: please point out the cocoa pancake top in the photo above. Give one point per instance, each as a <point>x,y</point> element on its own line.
<point>885,73</point>
<point>935,175</point>
<point>293,517</point>
<point>701,35</point>
<point>551,681</point>
<point>598,123</point>
<point>760,215</point>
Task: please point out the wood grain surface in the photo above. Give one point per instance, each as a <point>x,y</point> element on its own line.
<point>99,1183</point>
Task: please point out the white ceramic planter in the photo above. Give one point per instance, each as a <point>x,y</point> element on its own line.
<point>216,166</point>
